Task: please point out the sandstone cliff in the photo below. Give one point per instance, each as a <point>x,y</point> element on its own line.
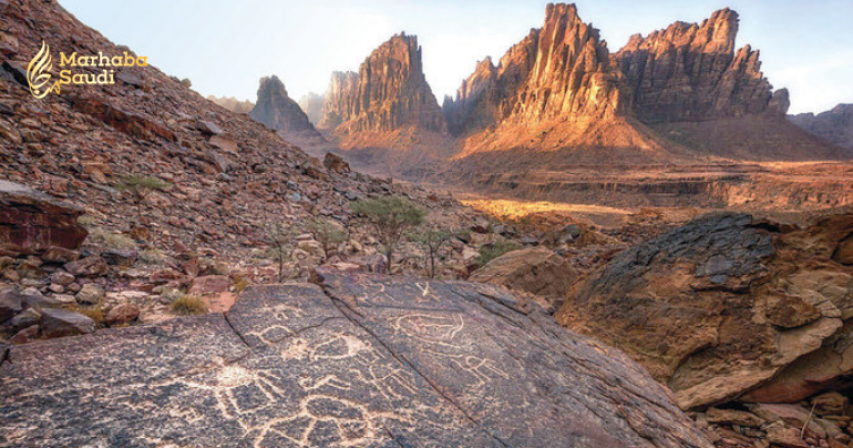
<point>835,125</point>
<point>339,100</point>
<point>691,72</point>
<point>390,92</point>
<point>276,110</point>
<point>559,72</point>
<point>312,105</point>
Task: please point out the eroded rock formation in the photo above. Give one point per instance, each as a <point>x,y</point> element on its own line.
<point>339,100</point>
<point>559,72</point>
<point>364,361</point>
<point>691,72</point>
<point>728,307</point>
<point>835,125</point>
<point>390,92</point>
<point>276,110</point>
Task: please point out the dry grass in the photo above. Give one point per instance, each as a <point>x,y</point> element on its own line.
<point>187,305</point>
<point>94,312</point>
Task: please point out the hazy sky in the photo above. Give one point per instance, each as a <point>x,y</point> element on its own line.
<point>226,46</point>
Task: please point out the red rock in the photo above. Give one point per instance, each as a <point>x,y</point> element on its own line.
<point>60,255</point>
<point>32,222</point>
<point>210,284</point>
<point>167,275</point>
<point>87,267</point>
<point>122,314</point>
<point>26,335</point>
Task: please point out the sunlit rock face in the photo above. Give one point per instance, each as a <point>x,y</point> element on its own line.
<point>692,72</point>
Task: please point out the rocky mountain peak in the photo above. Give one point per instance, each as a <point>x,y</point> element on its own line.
<point>389,92</point>
<point>690,72</point>
<point>276,110</point>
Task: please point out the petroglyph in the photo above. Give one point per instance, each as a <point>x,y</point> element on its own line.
<point>409,371</point>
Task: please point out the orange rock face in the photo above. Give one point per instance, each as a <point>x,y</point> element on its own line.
<point>388,93</point>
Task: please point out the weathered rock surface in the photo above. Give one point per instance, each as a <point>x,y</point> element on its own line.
<point>276,110</point>
<point>537,270</point>
<point>559,72</point>
<point>691,72</point>
<point>377,362</point>
<point>390,92</point>
<point>32,222</point>
<point>727,306</point>
<point>835,125</point>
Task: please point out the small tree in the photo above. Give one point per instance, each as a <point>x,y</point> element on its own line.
<point>140,187</point>
<point>279,237</point>
<point>431,240</point>
<point>391,217</point>
<point>328,234</point>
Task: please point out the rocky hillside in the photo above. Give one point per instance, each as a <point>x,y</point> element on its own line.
<point>232,104</point>
<point>835,125</point>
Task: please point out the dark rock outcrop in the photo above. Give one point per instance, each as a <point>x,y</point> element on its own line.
<point>372,361</point>
<point>276,110</point>
<point>32,222</point>
<point>835,125</point>
<point>727,307</point>
<point>691,72</point>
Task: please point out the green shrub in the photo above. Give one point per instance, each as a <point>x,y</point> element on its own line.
<point>390,217</point>
<point>489,252</point>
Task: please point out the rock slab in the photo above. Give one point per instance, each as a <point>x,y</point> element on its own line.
<point>363,361</point>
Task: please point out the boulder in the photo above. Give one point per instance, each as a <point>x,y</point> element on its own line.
<point>122,314</point>
<point>93,266</point>
<point>210,284</point>
<point>26,335</point>
<point>120,257</point>
<point>726,307</point>
<point>538,271</point>
<point>11,303</point>
<point>844,252</point>
<point>90,294</point>
<point>335,163</point>
<point>58,323</point>
<point>32,222</point>
<point>362,361</point>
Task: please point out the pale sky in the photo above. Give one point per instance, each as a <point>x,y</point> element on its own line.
<point>226,46</point>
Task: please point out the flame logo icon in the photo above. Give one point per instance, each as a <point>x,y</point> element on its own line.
<point>38,73</point>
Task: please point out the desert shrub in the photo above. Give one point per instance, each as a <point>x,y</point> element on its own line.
<point>152,257</point>
<point>279,236</point>
<point>94,312</point>
<point>87,221</point>
<point>187,305</point>
<point>489,252</point>
<point>240,284</point>
<point>431,240</point>
<point>390,217</point>
<point>108,240</point>
<point>139,187</point>
<point>328,233</point>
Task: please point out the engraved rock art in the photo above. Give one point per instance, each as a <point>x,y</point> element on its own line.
<point>354,362</point>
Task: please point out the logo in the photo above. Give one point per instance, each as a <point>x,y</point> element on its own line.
<point>39,74</point>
